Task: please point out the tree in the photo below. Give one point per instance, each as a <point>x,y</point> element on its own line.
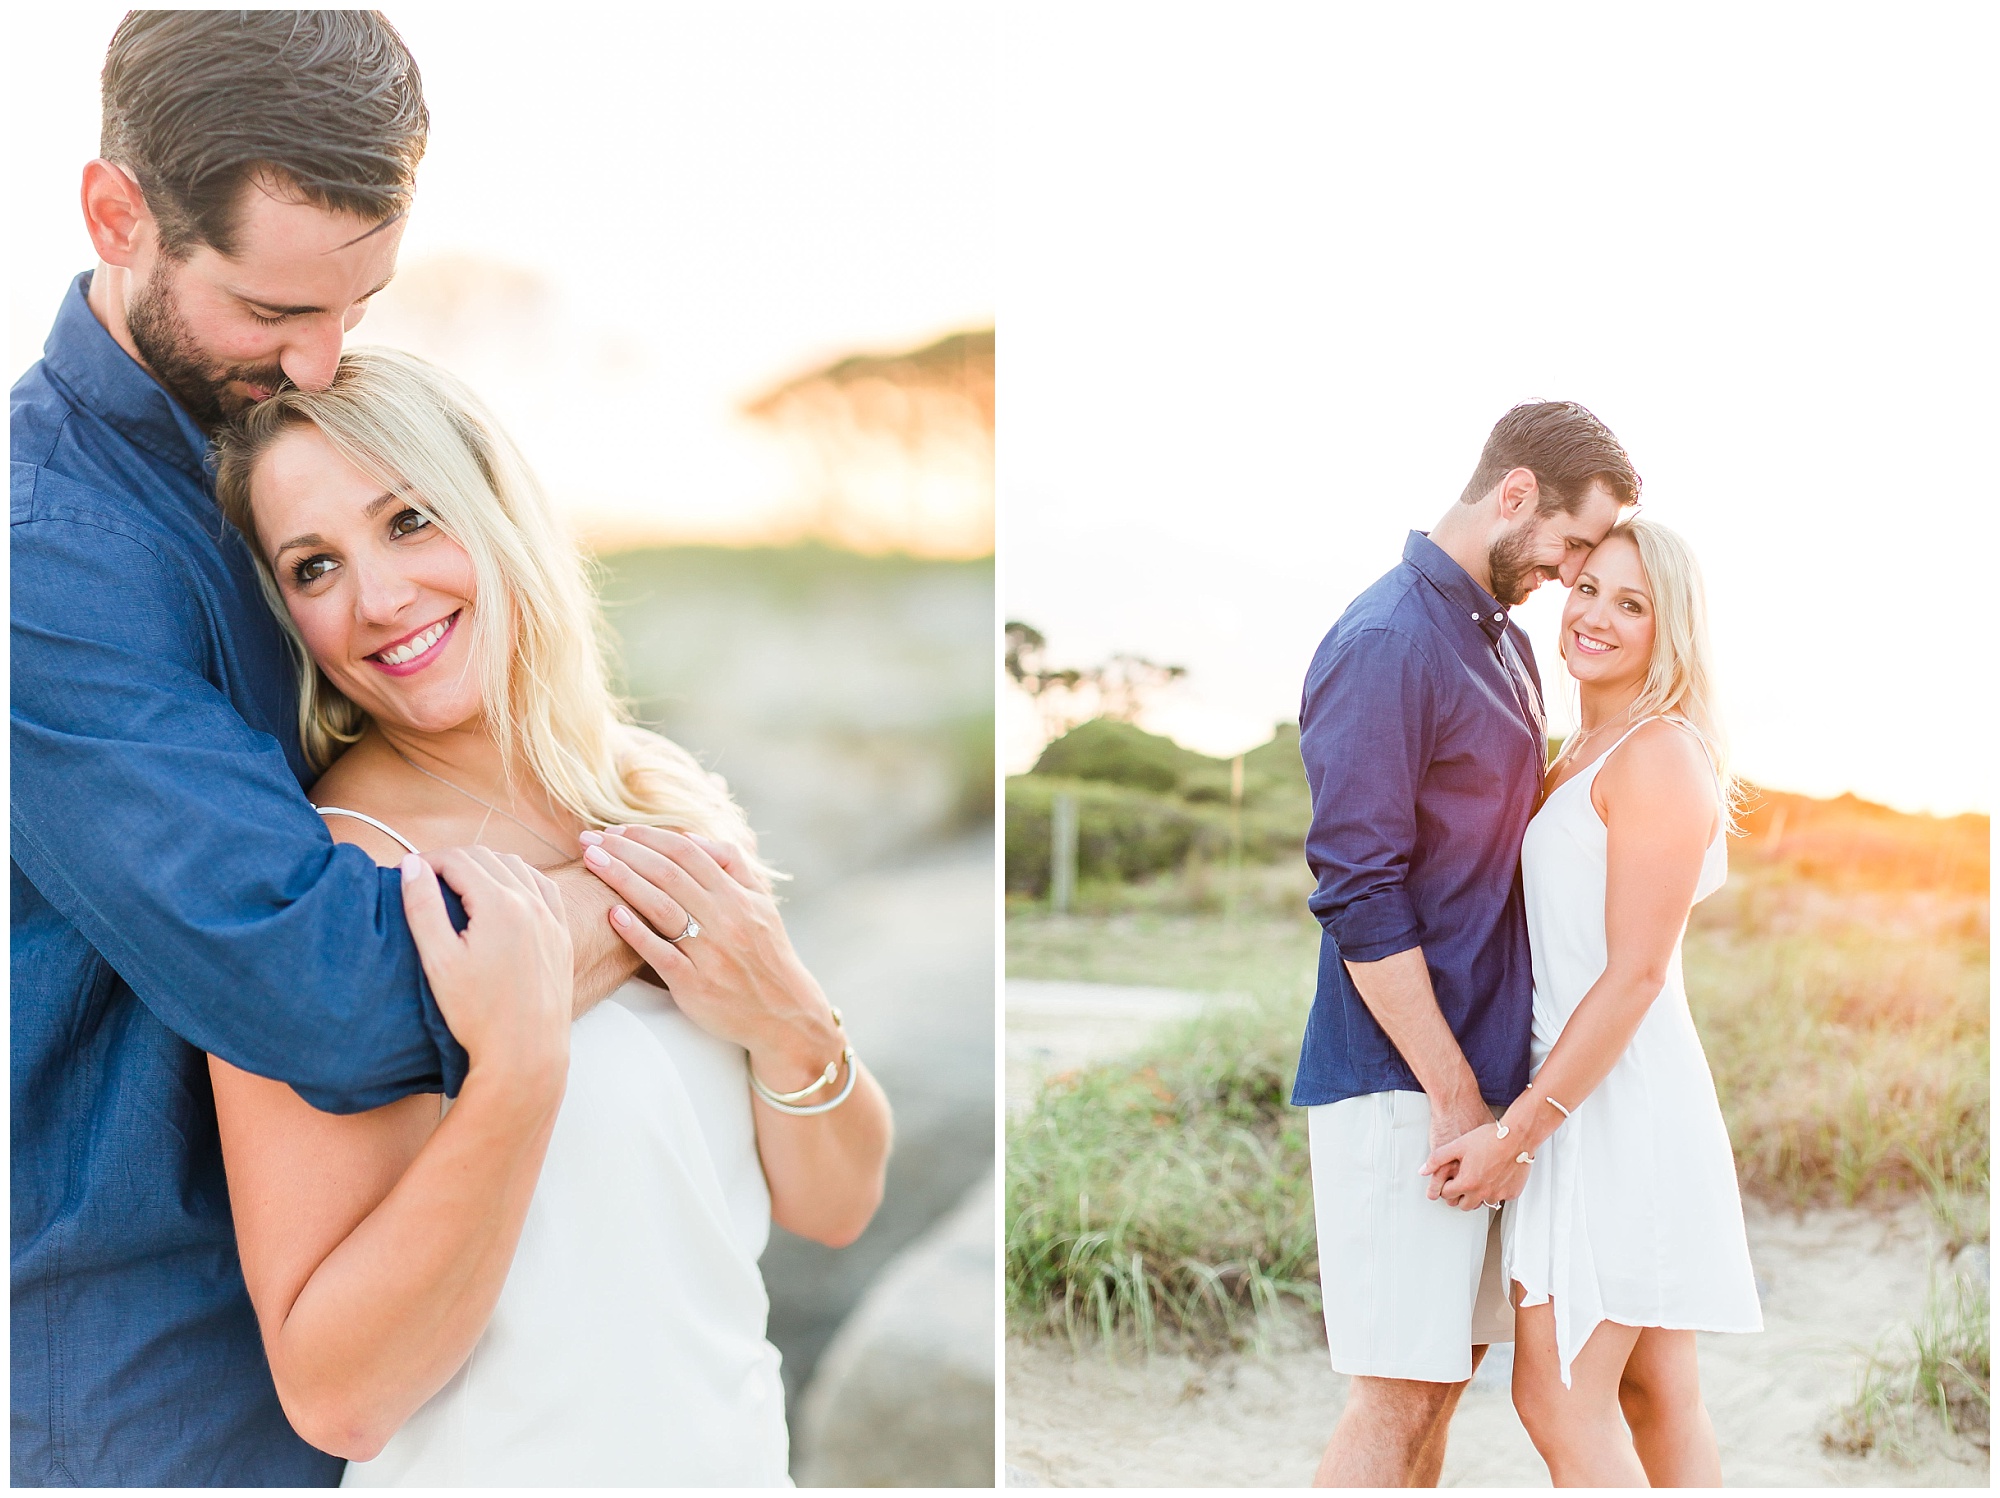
<point>1117,689</point>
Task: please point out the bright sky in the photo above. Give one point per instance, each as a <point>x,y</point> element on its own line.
<point>1270,276</point>
<point>717,197</point>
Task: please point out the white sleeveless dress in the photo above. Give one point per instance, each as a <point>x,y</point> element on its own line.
<point>627,1347</point>
<point>1631,1213</point>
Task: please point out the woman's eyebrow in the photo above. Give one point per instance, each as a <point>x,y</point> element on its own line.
<point>314,538</point>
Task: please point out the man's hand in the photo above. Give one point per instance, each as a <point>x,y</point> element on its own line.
<point>1479,1168</point>
<point>601,961</point>
<point>1452,1118</point>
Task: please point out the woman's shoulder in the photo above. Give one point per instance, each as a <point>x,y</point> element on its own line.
<point>354,783</point>
<point>1662,767</point>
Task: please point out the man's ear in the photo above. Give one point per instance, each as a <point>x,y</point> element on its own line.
<point>122,227</point>
<point>1519,491</point>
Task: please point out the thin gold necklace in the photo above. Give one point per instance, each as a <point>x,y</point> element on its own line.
<point>559,853</point>
<point>1576,740</point>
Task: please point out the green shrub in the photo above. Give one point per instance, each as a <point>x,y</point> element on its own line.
<point>1171,1195</point>
<point>1123,754</point>
<point>1122,834</point>
<point>1126,835</point>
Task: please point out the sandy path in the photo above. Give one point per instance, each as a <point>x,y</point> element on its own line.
<point>1053,1026</point>
<point>1833,1281</point>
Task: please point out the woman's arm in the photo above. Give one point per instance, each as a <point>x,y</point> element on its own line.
<point>740,979</point>
<point>374,1245</point>
<point>1657,798</point>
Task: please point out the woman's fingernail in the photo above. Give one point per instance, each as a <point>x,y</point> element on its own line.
<point>592,838</point>
<point>412,865</point>
<point>618,831</point>
<point>621,915</point>
<point>597,857</point>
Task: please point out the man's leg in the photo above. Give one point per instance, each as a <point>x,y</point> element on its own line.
<point>1430,1462</point>
<point>1385,1432</point>
<point>1400,1274</point>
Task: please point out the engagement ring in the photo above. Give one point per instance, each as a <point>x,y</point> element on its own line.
<point>693,930</point>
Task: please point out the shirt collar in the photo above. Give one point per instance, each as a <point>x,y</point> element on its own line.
<point>108,382</point>
<point>1456,585</point>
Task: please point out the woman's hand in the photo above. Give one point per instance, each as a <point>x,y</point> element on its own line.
<point>738,978</point>
<point>504,983</point>
<point>1488,1169</point>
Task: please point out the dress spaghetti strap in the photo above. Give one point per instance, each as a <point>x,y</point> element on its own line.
<point>362,816</point>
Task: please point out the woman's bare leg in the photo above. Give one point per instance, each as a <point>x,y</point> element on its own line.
<point>1661,1396</point>
<point>1580,1431</point>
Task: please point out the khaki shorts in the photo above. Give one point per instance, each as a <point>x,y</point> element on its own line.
<point>1411,1285</point>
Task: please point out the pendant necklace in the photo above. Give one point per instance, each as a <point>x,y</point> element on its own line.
<point>559,853</point>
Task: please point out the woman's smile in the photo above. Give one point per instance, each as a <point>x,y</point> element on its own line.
<point>416,650</point>
<point>1590,646</point>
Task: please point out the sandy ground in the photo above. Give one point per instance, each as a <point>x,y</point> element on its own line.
<point>1054,1026</point>
<point>1834,1283</point>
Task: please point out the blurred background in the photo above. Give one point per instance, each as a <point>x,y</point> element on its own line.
<point>726,273</point>
<point>1307,259</point>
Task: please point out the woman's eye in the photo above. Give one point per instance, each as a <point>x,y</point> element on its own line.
<point>408,523</point>
<point>1586,590</point>
<point>311,570</point>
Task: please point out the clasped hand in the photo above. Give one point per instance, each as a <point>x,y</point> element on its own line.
<point>1477,1168</point>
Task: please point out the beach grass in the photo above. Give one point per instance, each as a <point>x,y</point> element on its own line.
<point>1846,1027</point>
<point>1937,1380</point>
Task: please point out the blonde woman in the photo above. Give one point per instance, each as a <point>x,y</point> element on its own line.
<point>552,1279</point>
<point>1623,1231</point>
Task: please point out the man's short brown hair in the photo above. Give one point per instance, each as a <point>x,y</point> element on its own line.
<point>198,103</point>
<point>1565,447</point>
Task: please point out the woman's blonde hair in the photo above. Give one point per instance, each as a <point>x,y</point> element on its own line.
<point>544,683</point>
<point>1680,677</point>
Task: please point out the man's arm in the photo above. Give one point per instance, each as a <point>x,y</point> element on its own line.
<point>175,837</point>
<point>603,959</point>
<point>1366,734</point>
<point>1397,991</point>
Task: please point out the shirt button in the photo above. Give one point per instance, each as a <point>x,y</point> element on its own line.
<point>1475,616</point>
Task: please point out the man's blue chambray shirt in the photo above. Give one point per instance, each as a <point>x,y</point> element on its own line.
<point>173,894</point>
<point>1422,734</point>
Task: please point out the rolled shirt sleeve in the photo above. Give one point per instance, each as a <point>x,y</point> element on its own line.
<point>1366,734</point>
<point>173,835</point>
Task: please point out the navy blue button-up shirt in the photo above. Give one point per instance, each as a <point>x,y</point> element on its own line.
<point>1422,734</point>
<point>173,894</point>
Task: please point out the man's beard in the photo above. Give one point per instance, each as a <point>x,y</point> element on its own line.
<point>168,346</point>
<point>1507,561</point>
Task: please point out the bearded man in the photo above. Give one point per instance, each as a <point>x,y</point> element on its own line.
<point>174,894</point>
<point>1423,736</point>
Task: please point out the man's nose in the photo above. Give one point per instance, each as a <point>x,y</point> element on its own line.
<point>1571,568</point>
<point>311,357</point>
